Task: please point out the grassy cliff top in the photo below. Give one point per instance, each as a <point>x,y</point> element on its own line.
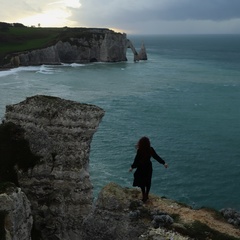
<point>19,38</point>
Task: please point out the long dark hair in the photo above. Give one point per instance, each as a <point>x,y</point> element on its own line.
<point>144,146</point>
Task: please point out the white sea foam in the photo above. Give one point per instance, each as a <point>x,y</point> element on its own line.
<point>46,69</point>
<point>77,65</point>
<point>17,70</point>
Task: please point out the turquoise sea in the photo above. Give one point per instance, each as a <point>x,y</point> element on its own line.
<point>185,98</point>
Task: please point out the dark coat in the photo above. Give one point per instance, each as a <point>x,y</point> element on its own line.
<point>142,161</point>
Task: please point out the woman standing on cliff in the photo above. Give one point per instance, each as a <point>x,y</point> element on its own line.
<point>143,165</point>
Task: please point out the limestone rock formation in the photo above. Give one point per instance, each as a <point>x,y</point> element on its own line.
<point>58,187</point>
<point>110,218</point>
<point>15,214</point>
<point>120,214</point>
<point>142,55</point>
<point>98,45</point>
<point>135,53</point>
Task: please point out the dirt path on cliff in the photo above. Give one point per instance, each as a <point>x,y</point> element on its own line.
<point>188,215</point>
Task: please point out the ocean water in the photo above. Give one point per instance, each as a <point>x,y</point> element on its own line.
<point>185,98</point>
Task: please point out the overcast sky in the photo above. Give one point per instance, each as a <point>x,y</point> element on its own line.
<point>130,16</point>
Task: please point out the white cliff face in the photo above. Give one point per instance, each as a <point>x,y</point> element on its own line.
<point>58,187</point>
<point>142,55</point>
<point>113,48</point>
<point>99,46</point>
<point>16,212</point>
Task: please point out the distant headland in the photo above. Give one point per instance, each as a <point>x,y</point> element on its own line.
<point>31,46</point>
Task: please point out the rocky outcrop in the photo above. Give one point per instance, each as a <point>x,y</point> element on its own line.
<point>231,215</point>
<point>58,187</point>
<point>113,48</point>
<point>15,215</point>
<point>94,46</point>
<point>142,55</point>
<point>120,214</point>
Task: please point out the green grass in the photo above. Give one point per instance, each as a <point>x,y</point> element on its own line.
<point>23,38</point>
<point>20,39</point>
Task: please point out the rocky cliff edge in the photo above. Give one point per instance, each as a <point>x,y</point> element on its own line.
<point>58,185</point>
<point>55,196</point>
<point>81,46</point>
<point>120,214</point>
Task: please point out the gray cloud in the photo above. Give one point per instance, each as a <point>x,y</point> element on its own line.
<point>15,9</point>
<point>127,13</point>
<point>139,15</point>
<point>161,9</point>
<point>216,10</point>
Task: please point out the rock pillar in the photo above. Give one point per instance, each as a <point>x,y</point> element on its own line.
<point>58,187</point>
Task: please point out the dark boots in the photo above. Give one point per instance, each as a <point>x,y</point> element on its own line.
<point>145,197</point>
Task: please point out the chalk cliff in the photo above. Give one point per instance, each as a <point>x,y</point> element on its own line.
<point>58,187</point>
<point>93,45</point>
<point>142,55</point>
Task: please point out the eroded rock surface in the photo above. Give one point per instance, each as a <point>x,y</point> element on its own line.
<point>58,187</point>
<point>120,214</point>
<point>15,214</point>
<point>94,45</point>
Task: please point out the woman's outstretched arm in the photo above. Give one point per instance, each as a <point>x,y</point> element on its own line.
<point>157,157</point>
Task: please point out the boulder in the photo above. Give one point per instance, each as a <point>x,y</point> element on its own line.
<point>113,217</point>
<point>15,215</point>
<point>231,215</point>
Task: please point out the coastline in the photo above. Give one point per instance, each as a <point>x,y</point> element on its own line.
<point>193,86</point>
